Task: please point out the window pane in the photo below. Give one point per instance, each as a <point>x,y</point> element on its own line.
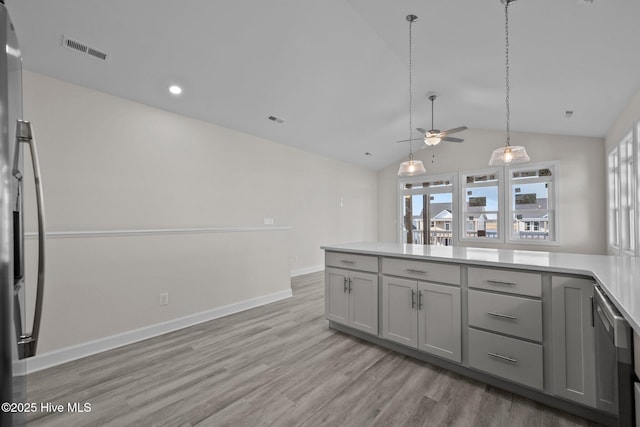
<point>480,199</point>
<point>532,225</point>
<point>481,225</point>
<point>531,204</point>
<point>481,205</point>
<point>441,212</point>
<point>613,199</point>
<point>530,196</point>
<point>427,214</point>
<point>413,223</point>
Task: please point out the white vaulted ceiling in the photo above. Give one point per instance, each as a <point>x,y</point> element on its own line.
<point>337,70</point>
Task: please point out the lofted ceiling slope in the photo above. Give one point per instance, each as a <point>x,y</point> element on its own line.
<point>336,71</point>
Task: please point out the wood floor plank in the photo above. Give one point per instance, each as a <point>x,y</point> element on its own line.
<point>276,365</point>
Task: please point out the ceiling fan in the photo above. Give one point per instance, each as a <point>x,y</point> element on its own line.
<point>434,136</point>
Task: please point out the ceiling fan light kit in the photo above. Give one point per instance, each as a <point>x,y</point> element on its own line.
<point>509,153</point>
<point>432,140</point>
<point>411,167</point>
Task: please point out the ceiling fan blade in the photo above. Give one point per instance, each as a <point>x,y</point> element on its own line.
<point>412,139</point>
<point>454,130</point>
<point>452,139</point>
<point>422,131</point>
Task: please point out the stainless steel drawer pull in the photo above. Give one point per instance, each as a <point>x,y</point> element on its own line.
<point>503,316</point>
<point>498,282</point>
<point>501,357</point>
<point>347,261</point>
<point>411,270</point>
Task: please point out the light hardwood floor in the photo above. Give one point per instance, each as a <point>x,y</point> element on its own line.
<point>276,365</point>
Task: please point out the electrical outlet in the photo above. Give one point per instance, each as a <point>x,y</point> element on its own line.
<point>268,221</point>
<point>164,298</point>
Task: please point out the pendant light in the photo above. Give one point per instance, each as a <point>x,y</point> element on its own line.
<point>411,167</point>
<point>509,153</point>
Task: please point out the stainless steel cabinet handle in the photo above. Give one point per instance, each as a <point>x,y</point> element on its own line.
<point>419,300</point>
<point>29,341</point>
<point>413,298</point>
<point>498,282</point>
<point>347,261</point>
<point>503,316</point>
<point>411,270</point>
<point>501,357</point>
<point>349,284</point>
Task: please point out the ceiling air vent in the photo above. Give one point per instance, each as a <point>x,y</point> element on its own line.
<point>83,48</point>
<point>276,119</point>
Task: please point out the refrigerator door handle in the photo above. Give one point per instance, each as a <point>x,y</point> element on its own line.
<point>29,341</point>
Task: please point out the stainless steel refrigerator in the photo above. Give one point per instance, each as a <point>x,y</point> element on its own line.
<point>16,344</point>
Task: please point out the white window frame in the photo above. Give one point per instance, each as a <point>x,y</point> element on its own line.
<point>623,197</point>
<point>462,202</point>
<point>613,201</point>
<point>451,177</point>
<point>552,205</point>
<point>627,152</point>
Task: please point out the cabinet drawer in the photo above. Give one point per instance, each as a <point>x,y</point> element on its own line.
<point>521,317</point>
<point>510,358</point>
<point>352,261</point>
<point>514,282</point>
<point>421,270</point>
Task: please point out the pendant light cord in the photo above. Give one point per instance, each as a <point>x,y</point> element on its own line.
<point>411,20</point>
<point>506,32</point>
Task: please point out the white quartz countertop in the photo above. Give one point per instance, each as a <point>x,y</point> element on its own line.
<point>619,276</point>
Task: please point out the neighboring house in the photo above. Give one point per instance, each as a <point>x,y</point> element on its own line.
<point>531,223</point>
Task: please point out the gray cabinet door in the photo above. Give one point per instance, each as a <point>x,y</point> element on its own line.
<point>439,330</point>
<point>399,311</point>
<point>363,302</point>
<point>336,305</point>
<point>573,339</point>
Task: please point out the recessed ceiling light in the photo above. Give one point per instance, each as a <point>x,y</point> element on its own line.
<point>175,89</point>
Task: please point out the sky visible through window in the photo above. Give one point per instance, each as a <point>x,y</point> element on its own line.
<point>437,198</point>
<point>539,188</point>
<point>490,193</point>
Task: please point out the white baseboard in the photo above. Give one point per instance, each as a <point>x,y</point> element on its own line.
<point>307,270</point>
<point>68,354</point>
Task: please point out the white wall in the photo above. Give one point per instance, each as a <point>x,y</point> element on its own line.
<point>111,164</point>
<point>582,182</point>
<point>623,124</point>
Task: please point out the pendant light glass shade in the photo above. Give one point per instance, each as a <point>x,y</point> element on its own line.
<point>411,167</point>
<point>508,155</point>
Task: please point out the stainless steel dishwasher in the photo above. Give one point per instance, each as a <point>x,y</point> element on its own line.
<point>614,360</point>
